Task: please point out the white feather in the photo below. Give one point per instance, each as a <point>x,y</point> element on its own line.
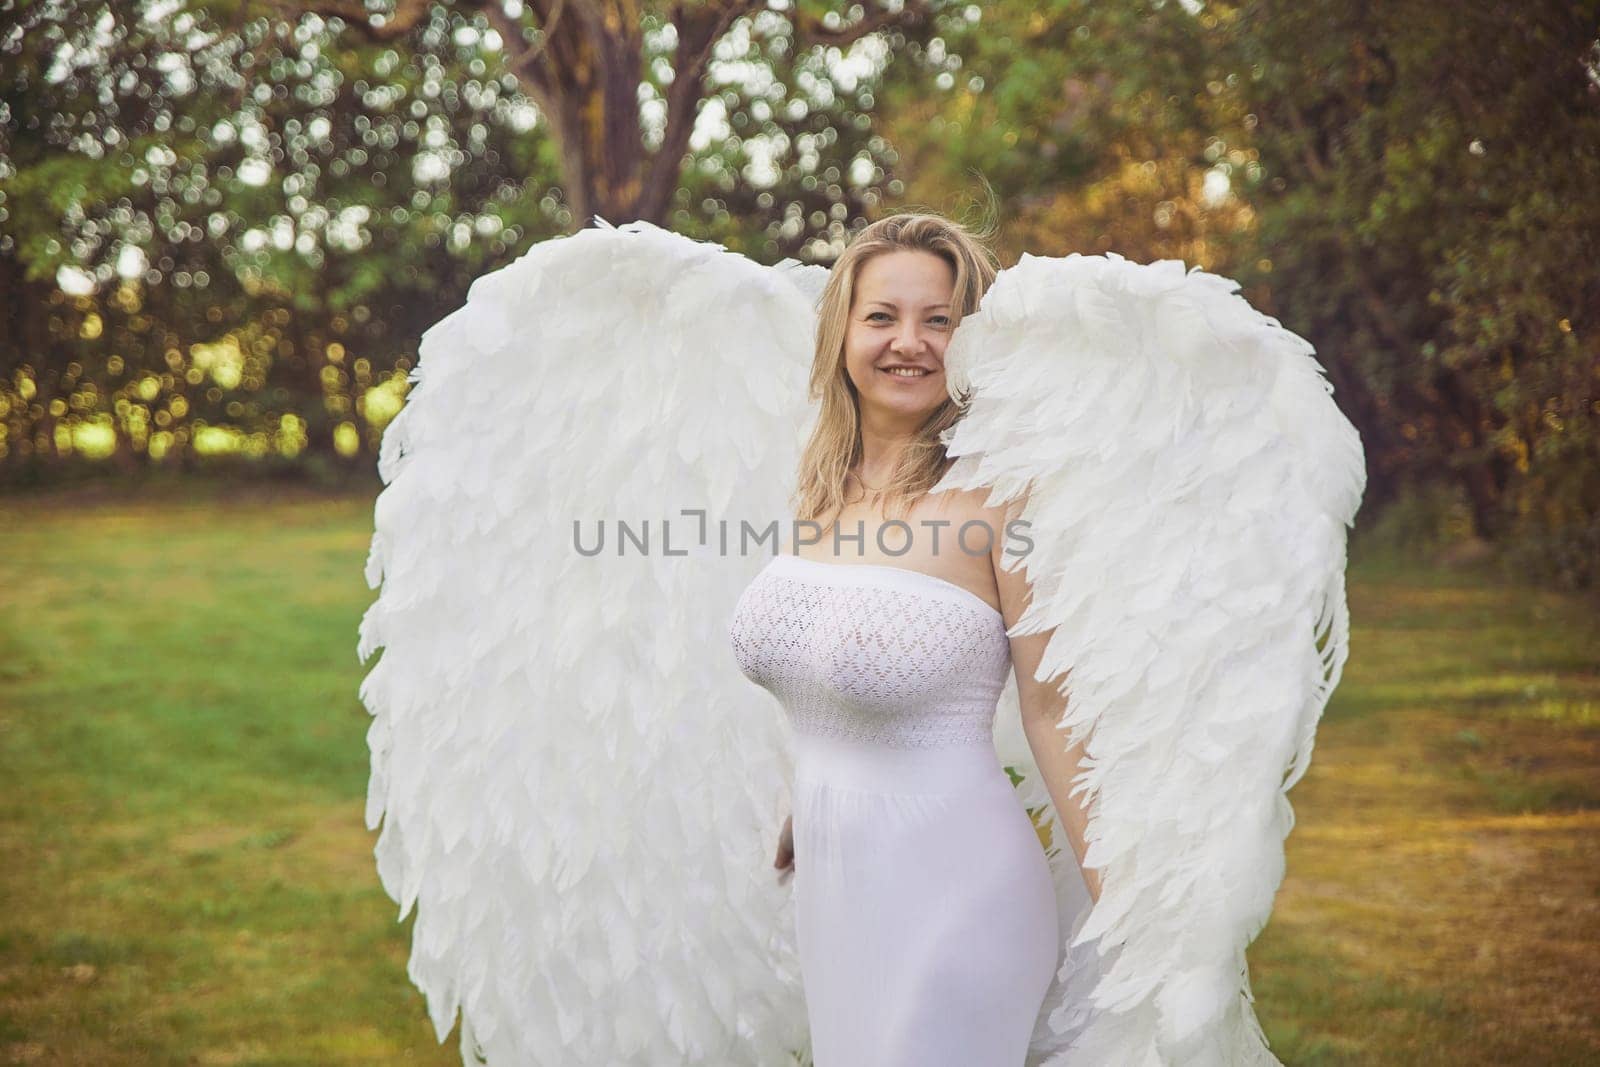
<point>578,790</point>
<point>1189,481</point>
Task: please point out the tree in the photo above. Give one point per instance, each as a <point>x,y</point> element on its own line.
<point>584,62</point>
<point>1409,186</point>
<point>224,231</point>
<point>1432,225</point>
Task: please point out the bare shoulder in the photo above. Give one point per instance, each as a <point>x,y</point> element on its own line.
<point>966,503</point>
<point>992,527</point>
<point>968,509</point>
<point>972,505</point>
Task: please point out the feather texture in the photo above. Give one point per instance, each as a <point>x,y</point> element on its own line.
<point>1188,482</point>
<point>577,790</point>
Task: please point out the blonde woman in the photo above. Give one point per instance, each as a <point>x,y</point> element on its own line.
<point>1038,575</point>
<point>926,914</point>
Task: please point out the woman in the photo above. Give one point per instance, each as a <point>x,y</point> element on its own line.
<point>926,914</point>
<point>578,788</point>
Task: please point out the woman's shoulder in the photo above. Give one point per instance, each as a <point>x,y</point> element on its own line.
<point>968,505</point>
<point>969,515</point>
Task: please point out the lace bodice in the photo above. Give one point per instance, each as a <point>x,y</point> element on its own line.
<point>872,653</point>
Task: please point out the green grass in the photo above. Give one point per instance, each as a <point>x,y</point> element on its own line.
<point>1442,904</point>
<point>187,878</point>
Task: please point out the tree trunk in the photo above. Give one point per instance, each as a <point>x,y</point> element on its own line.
<point>584,72</point>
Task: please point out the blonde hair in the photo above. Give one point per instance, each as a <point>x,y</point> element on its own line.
<point>835,443</point>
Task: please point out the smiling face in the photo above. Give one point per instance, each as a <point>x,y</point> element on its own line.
<point>900,322</point>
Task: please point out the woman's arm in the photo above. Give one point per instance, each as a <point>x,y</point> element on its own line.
<point>1042,707</point>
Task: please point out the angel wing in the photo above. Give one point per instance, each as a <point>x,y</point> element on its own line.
<point>1187,480</point>
<point>532,698</point>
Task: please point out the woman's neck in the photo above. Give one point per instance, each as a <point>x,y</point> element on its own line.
<point>880,454</point>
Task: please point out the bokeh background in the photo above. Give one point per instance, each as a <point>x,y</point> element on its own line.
<point>225,224</point>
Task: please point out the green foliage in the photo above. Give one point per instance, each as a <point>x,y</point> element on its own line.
<point>1564,554</point>
<point>255,186</point>
<point>1436,183</point>
<point>1409,185</point>
<point>1420,523</point>
<point>211,173</point>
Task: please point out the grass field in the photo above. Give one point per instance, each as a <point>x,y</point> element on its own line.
<point>187,878</point>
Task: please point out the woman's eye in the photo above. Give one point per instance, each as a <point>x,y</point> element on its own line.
<point>938,320</point>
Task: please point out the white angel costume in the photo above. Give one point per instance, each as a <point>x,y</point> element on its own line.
<point>925,913</point>
<point>580,789</point>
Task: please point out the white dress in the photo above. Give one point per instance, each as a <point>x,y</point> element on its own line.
<point>925,912</point>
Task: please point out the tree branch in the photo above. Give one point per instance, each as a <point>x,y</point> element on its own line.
<point>552,23</point>
<point>528,65</point>
<point>1308,149</point>
<point>405,17</point>
<point>543,73</point>
<point>811,30</point>
<point>698,33</point>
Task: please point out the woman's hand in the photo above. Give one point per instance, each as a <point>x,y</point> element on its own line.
<point>784,861</point>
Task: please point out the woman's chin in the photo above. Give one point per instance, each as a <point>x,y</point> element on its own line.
<point>903,403</point>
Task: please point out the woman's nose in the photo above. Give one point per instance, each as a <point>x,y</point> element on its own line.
<point>908,338</point>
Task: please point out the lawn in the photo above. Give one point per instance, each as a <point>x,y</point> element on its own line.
<point>187,878</point>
